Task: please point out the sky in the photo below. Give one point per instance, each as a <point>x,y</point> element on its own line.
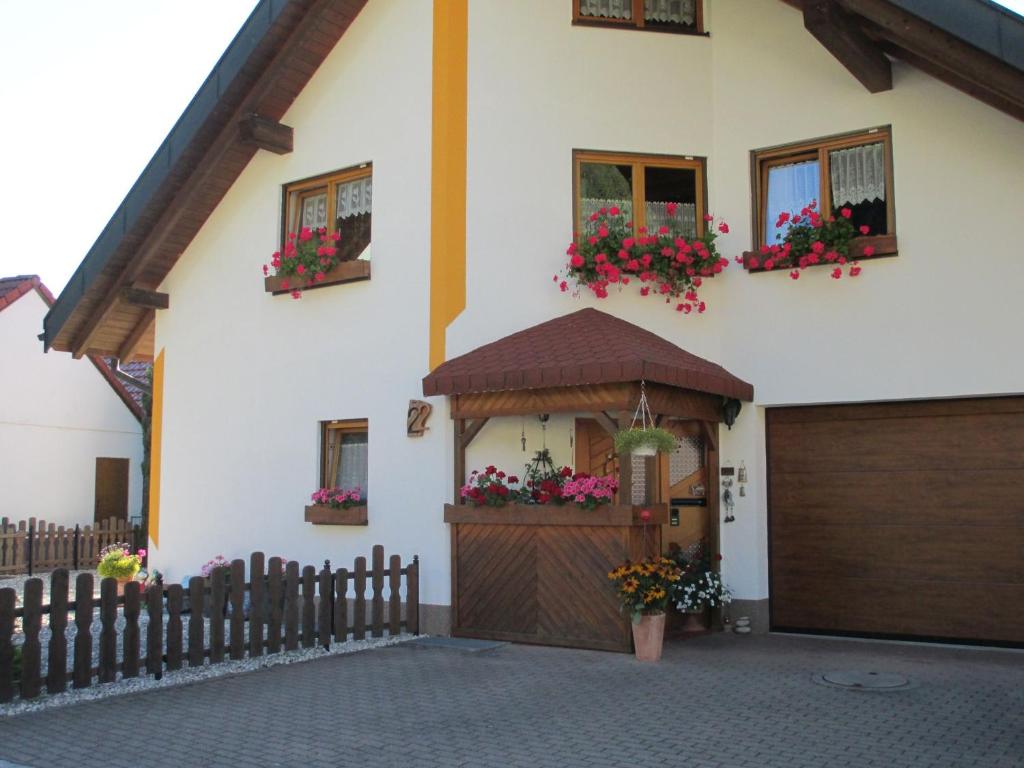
<point>88,91</point>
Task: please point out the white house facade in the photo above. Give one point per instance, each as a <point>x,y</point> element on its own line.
<point>70,435</point>
<point>884,435</point>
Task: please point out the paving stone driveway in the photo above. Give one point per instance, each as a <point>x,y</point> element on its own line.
<point>721,701</point>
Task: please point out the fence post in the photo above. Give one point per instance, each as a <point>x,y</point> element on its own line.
<point>74,556</point>
<point>326,605</point>
<point>412,586</point>
<point>28,541</point>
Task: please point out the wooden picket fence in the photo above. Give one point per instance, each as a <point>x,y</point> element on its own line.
<point>287,609</point>
<point>35,545</point>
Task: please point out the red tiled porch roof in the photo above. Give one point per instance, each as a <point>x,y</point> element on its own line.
<point>586,347</point>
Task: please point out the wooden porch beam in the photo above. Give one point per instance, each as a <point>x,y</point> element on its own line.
<point>710,434</point>
<point>265,133</point>
<point>136,336</point>
<point>842,36</point>
<point>472,430</point>
<point>607,423</point>
<point>143,298</point>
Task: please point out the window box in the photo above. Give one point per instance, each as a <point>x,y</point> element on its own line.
<point>884,245</point>
<point>345,272</point>
<point>322,514</point>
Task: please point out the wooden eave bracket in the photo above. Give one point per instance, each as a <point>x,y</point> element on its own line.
<point>709,435</point>
<point>843,37</point>
<point>471,431</point>
<point>607,422</point>
<point>143,298</point>
<point>264,133</point>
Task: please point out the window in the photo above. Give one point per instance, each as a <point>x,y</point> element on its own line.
<point>642,186</point>
<point>684,16</point>
<point>341,201</point>
<point>853,171</point>
<point>343,454</point>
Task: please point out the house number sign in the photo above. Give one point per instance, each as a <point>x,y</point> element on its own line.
<point>416,420</point>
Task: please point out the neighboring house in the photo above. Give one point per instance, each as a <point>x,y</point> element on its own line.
<point>70,432</point>
<point>883,430</point>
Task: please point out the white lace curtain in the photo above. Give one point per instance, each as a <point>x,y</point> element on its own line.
<point>790,188</point>
<point>857,174</point>
<point>314,211</point>
<point>666,11</point>
<point>656,214</point>
<point>355,197</point>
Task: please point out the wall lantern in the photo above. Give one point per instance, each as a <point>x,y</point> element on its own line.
<point>730,410</point>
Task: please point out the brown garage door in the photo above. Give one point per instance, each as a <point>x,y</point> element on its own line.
<point>902,519</point>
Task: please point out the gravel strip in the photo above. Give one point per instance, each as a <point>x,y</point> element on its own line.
<point>193,674</point>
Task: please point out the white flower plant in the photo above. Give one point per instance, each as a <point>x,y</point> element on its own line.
<point>701,591</point>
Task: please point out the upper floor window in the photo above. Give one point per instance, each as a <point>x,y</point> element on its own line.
<point>657,15</point>
<point>341,201</point>
<point>641,186</point>
<point>853,171</point>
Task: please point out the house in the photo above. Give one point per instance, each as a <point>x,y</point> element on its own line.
<point>852,446</point>
<point>70,432</point>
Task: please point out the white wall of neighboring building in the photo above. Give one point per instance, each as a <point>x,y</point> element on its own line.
<point>57,415</point>
<point>940,320</point>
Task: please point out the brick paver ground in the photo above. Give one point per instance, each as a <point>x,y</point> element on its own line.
<point>716,702</point>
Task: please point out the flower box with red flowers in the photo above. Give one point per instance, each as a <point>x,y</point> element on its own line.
<point>310,260</point>
<point>663,264</point>
<point>814,240</point>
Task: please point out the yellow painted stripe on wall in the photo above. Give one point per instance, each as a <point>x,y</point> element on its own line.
<point>448,172</point>
<point>156,441</point>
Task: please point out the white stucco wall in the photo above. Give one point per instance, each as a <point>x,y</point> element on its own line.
<point>940,320</point>
<point>57,415</point>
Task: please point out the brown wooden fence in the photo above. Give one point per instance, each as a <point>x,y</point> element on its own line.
<point>35,545</point>
<point>287,609</point>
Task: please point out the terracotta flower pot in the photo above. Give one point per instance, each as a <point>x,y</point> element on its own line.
<point>648,637</point>
<point>693,621</point>
<point>121,582</point>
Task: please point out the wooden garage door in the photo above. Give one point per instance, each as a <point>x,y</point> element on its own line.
<point>903,519</point>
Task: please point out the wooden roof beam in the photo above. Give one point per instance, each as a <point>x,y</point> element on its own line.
<point>140,331</point>
<point>265,133</point>
<point>143,298</point>
<point>843,38</point>
<point>943,50</point>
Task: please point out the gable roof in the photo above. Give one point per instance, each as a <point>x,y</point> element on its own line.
<point>13,288</point>
<point>585,347</point>
<point>973,45</point>
<point>263,70</point>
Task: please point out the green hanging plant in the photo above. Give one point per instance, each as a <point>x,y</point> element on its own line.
<point>644,441</point>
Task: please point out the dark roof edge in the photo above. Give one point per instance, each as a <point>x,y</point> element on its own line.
<point>988,26</point>
<point>199,109</point>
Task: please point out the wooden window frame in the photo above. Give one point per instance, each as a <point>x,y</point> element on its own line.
<point>637,22</point>
<point>329,465</point>
<point>818,149</point>
<point>306,187</point>
<point>640,161</point>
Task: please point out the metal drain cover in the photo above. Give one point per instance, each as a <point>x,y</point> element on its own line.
<point>864,681</point>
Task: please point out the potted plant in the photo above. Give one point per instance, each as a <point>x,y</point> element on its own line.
<point>664,263</point>
<point>118,562</point>
<point>644,589</point>
<point>700,587</point>
<point>644,441</point>
<point>337,506</point>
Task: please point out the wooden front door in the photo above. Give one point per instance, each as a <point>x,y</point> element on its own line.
<point>902,519</point>
<point>685,486</point>
<point>111,494</point>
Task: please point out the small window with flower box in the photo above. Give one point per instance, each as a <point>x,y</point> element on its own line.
<point>813,182</point>
<point>344,453</point>
<point>326,222</point>
<point>679,16</point>
<point>651,191</point>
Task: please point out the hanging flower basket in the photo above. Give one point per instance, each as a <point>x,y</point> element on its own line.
<point>644,441</point>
